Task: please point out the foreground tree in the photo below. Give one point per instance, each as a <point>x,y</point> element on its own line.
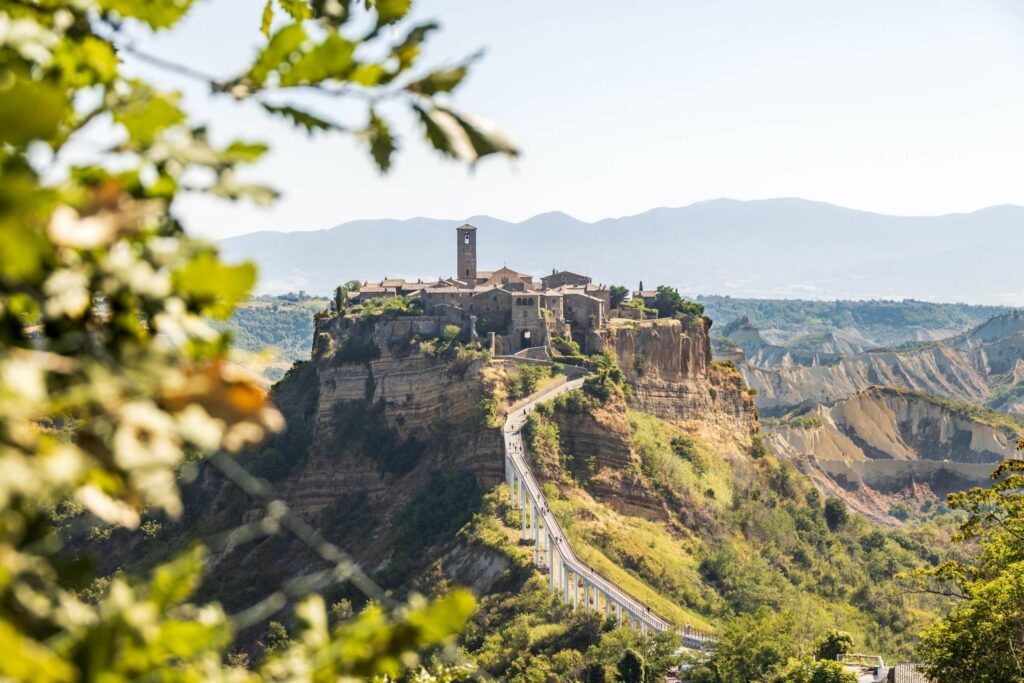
<point>109,372</point>
<point>809,671</point>
<point>982,639</point>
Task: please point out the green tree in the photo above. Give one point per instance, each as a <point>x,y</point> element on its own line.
<point>594,673</point>
<point>835,513</point>
<point>670,304</point>
<point>104,310</point>
<point>833,644</point>
<point>755,647</point>
<point>276,639</point>
<point>618,294</point>
<point>831,672</point>
<point>630,668</point>
<point>807,671</point>
<point>983,637</point>
<point>341,610</point>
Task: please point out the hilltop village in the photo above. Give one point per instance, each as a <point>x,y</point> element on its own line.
<point>512,309</point>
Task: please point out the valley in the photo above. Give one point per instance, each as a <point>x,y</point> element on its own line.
<point>675,474</point>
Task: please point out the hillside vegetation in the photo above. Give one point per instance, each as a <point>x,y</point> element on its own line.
<point>728,533</point>
<point>273,332</point>
<point>798,321</point>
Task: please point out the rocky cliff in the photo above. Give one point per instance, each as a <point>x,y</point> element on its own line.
<point>936,369</point>
<point>671,374</point>
<point>396,415</point>
<point>601,455</point>
<point>892,441</point>
<point>980,366</point>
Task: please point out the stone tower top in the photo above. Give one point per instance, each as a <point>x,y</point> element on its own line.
<point>466,252</point>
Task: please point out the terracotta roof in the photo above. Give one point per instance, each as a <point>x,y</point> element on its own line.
<point>392,283</point>
<point>584,295</point>
<point>444,290</point>
<point>483,289</point>
<point>467,226</point>
<point>567,272</point>
<point>505,270</point>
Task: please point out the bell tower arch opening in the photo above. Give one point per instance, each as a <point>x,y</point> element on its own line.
<point>466,252</point>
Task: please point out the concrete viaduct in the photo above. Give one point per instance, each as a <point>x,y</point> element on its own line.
<point>570,578</point>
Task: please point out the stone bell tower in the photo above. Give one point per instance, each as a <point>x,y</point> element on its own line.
<point>466,250</point>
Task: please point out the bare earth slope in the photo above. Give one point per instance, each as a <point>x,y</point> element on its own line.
<point>884,441</point>
<point>980,366</point>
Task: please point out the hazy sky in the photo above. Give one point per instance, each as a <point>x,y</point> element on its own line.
<point>909,107</point>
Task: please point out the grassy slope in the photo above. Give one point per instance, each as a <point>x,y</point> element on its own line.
<point>760,540</point>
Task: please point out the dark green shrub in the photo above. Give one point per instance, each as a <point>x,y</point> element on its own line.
<point>833,644</point>
<point>835,513</point>
<point>630,668</point>
<point>690,450</point>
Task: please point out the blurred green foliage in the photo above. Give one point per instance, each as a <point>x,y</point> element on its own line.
<point>984,632</point>
<point>111,378</point>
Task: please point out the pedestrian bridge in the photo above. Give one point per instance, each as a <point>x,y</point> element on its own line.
<point>576,583</point>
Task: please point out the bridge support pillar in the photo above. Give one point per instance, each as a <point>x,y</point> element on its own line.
<point>536,536</point>
<point>551,561</point>
<point>523,511</point>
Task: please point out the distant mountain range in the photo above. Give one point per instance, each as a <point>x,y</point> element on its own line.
<point>781,248</point>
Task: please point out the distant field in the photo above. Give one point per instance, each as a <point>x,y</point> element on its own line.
<point>885,322</point>
<point>272,332</point>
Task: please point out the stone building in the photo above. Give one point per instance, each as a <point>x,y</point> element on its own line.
<point>562,278</point>
<point>518,311</point>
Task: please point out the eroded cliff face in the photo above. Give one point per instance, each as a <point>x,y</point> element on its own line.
<point>981,366</point>
<point>389,452</point>
<point>599,443</point>
<point>384,424</point>
<point>890,441</point>
<point>937,369</point>
<point>671,373</point>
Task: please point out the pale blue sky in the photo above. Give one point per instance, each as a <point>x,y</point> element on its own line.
<point>908,107</point>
